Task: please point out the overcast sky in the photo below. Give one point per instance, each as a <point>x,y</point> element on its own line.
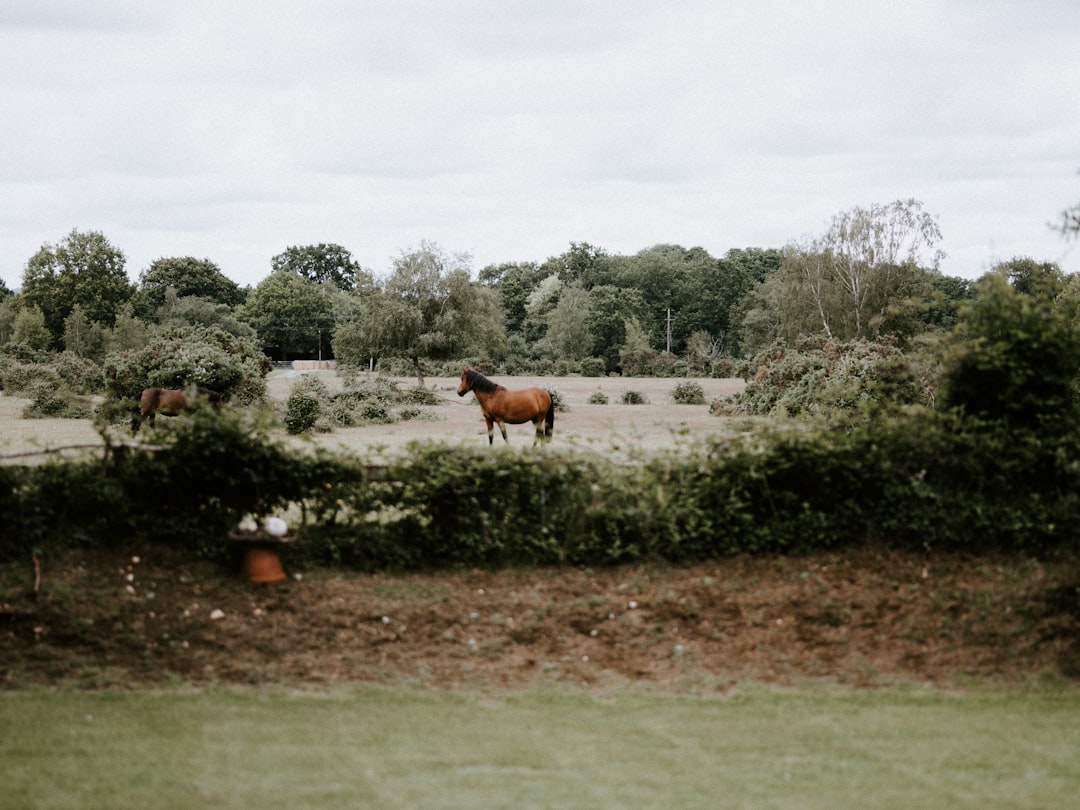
<point>232,130</point>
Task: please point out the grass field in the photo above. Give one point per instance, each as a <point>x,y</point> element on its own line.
<point>391,748</point>
<point>613,428</point>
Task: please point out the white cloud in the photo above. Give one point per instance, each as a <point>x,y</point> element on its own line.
<point>231,130</point>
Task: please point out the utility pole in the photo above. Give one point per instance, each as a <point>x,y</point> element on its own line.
<point>669,330</point>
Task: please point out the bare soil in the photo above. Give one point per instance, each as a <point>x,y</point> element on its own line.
<point>860,618</point>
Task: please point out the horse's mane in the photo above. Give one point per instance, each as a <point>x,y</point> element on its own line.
<point>478,382</point>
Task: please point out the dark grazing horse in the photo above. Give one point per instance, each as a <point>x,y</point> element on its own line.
<point>170,402</point>
<point>502,406</point>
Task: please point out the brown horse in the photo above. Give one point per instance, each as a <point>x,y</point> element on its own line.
<point>502,406</point>
<point>170,402</point>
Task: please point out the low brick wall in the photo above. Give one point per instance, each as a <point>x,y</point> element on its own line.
<point>308,365</point>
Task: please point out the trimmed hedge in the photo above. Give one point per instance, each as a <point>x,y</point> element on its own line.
<point>915,480</point>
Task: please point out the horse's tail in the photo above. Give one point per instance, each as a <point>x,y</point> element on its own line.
<point>549,420</point>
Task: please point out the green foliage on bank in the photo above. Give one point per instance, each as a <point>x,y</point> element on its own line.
<point>919,479</point>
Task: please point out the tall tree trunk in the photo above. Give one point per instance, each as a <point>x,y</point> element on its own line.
<point>419,373</point>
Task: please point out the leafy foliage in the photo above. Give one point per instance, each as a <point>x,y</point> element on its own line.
<point>305,403</point>
<point>822,376</point>
<point>192,355</point>
<point>362,401</point>
<point>184,276</point>
<point>1016,357</point>
<point>291,313</point>
<point>84,269</point>
<point>916,479</point>
<point>323,263</point>
<point>689,393</point>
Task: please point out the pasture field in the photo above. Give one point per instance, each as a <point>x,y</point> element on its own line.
<point>398,748</point>
<point>614,427</point>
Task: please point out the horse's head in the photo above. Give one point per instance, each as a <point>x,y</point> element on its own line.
<point>465,386</point>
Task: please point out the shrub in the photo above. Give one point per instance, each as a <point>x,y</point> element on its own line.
<point>820,376</point>
<point>689,393</point>
<point>1015,360</point>
<point>24,378</point>
<point>593,367</point>
<point>598,398</point>
<point>58,403</point>
<point>634,398</point>
<point>208,357</point>
<point>557,401</point>
<point>919,479</point>
<point>302,411</point>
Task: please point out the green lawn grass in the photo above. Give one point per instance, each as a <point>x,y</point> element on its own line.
<point>396,748</point>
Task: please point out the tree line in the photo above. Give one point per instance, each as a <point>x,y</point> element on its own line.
<point>668,309</point>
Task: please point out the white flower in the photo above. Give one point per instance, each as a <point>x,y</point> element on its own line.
<point>275,526</point>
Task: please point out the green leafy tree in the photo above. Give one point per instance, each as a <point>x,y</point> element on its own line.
<point>128,332</point>
<point>30,329</point>
<point>292,314</point>
<point>430,309</point>
<point>82,337</point>
<point>871,274</point>
<point>717,300</point>
<point>636,355</point>
<point>540,302</point>
<point>514,282</point>
<point>1030,277</point>
<point>194,310</point>
<point>610,308</point>
<point>946,298</point>
<point>9,309</point>
<point>186,276</point>
<point>583,263</point>
<point>568,334</point>
<point>324,263</point>
<point>1015,359</point>
<point>83,269</point>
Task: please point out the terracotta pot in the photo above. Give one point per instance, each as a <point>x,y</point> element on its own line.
<point>262,564</point>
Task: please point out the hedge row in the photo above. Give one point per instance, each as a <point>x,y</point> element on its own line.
<point>920,479</point>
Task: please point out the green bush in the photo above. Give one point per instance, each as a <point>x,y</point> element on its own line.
<point>598,398</point>
<point>689,393</point>
<point>208,357</point>
<point>913,478</point>
<point>24,378</point>
<point>822,376</point>
<point>634,398</point>
<point>1014,360</point>
<point>52,402</point>
<point>302,411</point>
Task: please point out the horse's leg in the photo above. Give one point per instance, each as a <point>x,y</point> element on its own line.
<point>491,429</point>
<point>502,428</point>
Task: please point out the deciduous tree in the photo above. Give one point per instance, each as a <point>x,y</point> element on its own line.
<point>187,276</point>
<point>324,263</point>
<point>430,309</point>
<point>291,313</point>
<point>83,269</point>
